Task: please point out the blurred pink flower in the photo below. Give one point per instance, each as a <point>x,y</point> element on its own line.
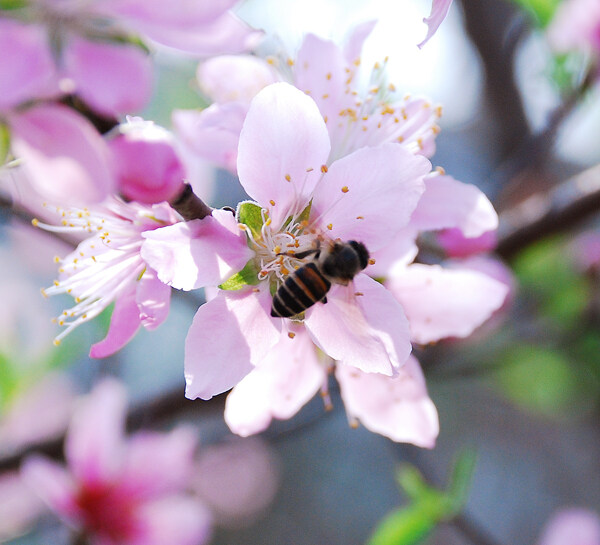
<point>108,267</point>
<point>329,74</point>
<point>439,10</point>
<point>147,166</point>
<point>120,491</point>
<point>575,27</point>
<point>572,527</point>
<point>456,244</point>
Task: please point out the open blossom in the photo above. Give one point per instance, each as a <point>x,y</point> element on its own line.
<point>355,116</point>
<point>107,268</point>
<point>119,491</point>
<point>367,196</point>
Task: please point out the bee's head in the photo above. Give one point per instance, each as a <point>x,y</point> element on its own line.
<point>361,251</point>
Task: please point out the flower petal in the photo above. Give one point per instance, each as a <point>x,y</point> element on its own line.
<point>27,69</point>
<point>287,378</point>
<point>234,78</point>
<point>158,463</point>
<point>94,443</point>
<point>574,526</point>
<point>229,335</point>
<point>153,299</point>
<point>356,39</point>
<point>397,407</point>
<point>112,79</point>
<point>174,519</point>
<point>361,326</point>
<point>400,252</point>
<point>124,323</point>
<point>449,203</point>
<point>284,137</point>
<point>369,195</point>
<point>52,483</point>
<point>66,159</point>
<point>198,253</point>
<point>445,302</point>
<point>213,133</point>
<point>439,10</point>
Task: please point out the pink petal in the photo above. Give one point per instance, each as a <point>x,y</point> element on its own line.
<point>283,137</point>
<point>181,520</point>
<point>20,507</point>
<point>362,326</point>
<point>153,299</point>
<point>439,10</point>
<point>397,407</point>
<point>356,39</point>
<point>158,463</point>
<point>572,527</point>
<point>94,443</point>
<point>400,252</point>
<point>52,483</point>
<point>229,335</point>
<point>320,71</point>
<point>449,203</point>
<point>455,244</point>
<point>226,34</point>
<point>65,157</point>
<point>124,323</point>
<point>443,303</point>
<point>27,70</point>
<point>234,78</point>
<point>147,166</point>
<point>213,133</point>
<point>197,253</point>
<point>286,379</point>
<point>111,79</point>
<point>369,195</point>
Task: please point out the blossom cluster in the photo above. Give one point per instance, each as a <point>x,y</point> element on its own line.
<point>332,159</point>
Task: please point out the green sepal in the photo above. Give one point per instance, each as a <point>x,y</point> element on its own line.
<point>250,214</point>
<point>248,276</point>
<point>4,143</point>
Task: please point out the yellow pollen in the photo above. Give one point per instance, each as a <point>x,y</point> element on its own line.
<point>438,111</point>
<point>290,62</point>
<point>284,270</point>
<point>387,110</point>
<point>288,178</point>
<point>326,95</point>
<point>360,217</point>
<point>400,139</point>
<point>396,120</point>
<point>268,222</point>
<point>94,258</point>
<point>61,322</point>
<point>307,92</point>
<point>324,169</point>
<point>365,117</point>
<point>262,274</point>
<point>345,189</point>
<point>330,226</point>
<point>377,66</point>
<point>35,222</point>
<point>56,283</point>
<point>61,270</point>
<point>56,259</point>
<point>365,128</point>
<point>43,292</point>
<point>241,227</point>
<point>371,261</point>
<point>379,125</point>
<point>54,321</point>
<point>328,76</point>
<point>420,143</point>
<point>291,334</point>
<point>75,260</point>
<point>64,223</point>
<point>56,342</point>
<point>272,202</point>
<point>69,290</point>
<point>277,249</point>
<point>84,316</point>
<point>356,62</point>
<point>392,87</point>
<point>270,60</point>
<point>325,118</point>
<point>435,129</point>
<point>354,424</point>
<point>440,170</point>
<point>81,254</point>
<point>358,293</point>
<point>77,299</point>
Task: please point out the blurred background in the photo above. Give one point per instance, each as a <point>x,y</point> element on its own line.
<point>523,392</point>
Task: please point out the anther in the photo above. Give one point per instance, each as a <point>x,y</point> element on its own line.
<point>360,217</point>
<point>372,261</point>
<point>35,222</point>
<point>358,293</point>
<point>291,334</point>
<point>345,189</point>
<point>324,169</point>
<point>272,202</point>
<point>330,226</point>
<point>288,178</point>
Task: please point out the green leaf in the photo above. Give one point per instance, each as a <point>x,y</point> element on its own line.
<point>409,526</point>
<point>250,214</point>
<point>247,276</point>
<point>4,143</point>
<point>542,11</point>
<point>460,481</point>
<point>12,4</point>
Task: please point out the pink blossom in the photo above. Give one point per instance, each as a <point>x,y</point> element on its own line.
<point>439,10</point>
<point>572,527</point>
<point>121,491</point>
<point>293,372</point>
<point>148,168</point>
<point>456,244</point>
<point>366,196</point>
<point>329,74</point>
<point>575,26</point>
<point>108,267</point>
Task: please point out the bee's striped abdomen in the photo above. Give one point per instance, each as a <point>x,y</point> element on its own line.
<point>301,290</point>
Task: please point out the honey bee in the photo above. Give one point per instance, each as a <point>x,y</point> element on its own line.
<point>339,263</point>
